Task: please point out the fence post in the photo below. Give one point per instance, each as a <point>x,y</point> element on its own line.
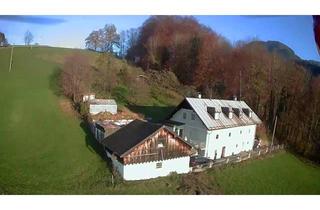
<point>227,161</point>
<point>112,180</point>
<point>259,153</point>
<point>267,149</point>
<point>249,156</point>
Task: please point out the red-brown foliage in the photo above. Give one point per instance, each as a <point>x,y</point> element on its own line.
<point>271,85</point>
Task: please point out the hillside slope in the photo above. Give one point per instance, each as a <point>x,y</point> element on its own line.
<point>42,150</point>
<point>46,149</point>
<point>288,54</point>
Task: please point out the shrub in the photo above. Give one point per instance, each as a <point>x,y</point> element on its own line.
<point>121,93</point>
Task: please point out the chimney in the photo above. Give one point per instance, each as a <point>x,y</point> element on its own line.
<point>235,98</point>
<point>230,114</point>
<point>199,95</point>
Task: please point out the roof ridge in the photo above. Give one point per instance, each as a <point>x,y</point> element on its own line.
<point>200,106</point>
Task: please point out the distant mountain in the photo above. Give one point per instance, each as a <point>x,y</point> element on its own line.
<point>287,53</point>
<point>311,65</point>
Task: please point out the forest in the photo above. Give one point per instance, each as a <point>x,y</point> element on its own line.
<point>204,60</point>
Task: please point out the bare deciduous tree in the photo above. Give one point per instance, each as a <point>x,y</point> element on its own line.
<point>123,44</point>
<point>107,78</point>
<point>28,38</point>
<point>76,76</point>
<point>93,41</point>
<point>104,40</point>
<point>3,40</point>
<point>111,38</point>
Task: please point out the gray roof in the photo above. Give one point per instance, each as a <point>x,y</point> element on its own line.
<point>103,102</point>
<point>200,105</point>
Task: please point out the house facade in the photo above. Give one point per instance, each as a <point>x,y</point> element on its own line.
<point>143,150</point>
<point>217,128</point>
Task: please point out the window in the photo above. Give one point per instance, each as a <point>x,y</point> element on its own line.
<point>247,142</point>
<point>236,145</point>
<point>202,152</point>
<point>184,115</point>
<point>176,130</point>
<point>180,132</point>
<point>240,132</point>
<point>193,116</point>
<point>217,136</point>
<point>230,134</point>
<point>159,165</point>
<point>249,130</point>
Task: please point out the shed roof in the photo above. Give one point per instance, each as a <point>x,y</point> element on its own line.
<point>103,102</point>
<point>200,105</point>
<point>129,136</point>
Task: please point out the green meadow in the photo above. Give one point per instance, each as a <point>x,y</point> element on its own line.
<point>46,149</point>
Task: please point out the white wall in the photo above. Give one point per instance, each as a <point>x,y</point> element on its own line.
<point>197,133</point>
<point>96,108</point>
<point>236,143</point>
<point>149,170</point>
<point>194,130</point>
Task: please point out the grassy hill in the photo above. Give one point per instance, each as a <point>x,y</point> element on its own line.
<point>42,150</point>
<point>43,147</point>
<point>46,149</point>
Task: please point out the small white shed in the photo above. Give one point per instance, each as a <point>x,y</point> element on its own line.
<point>102,105</point>
<point>88,97</point>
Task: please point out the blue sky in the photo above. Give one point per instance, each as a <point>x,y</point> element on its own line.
<point>70,31</point>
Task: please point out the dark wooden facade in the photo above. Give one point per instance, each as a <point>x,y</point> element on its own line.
<point>160,146</point>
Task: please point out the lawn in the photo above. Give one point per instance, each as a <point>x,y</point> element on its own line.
<point>42,149</point>
<point>45,150</point>
<point>282,173</point>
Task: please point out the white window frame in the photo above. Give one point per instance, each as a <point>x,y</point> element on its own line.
<point>193,116</point>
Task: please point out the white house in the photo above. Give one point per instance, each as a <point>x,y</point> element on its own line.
<point>143,150</point>
<point>217,128</point>
<point>102,105</point>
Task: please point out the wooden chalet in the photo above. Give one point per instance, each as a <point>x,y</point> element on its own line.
<point>143,150</point>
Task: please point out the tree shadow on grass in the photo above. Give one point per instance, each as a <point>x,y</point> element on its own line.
<point>54,82</point>
<point>91,143</point>
<point>94,146</point>
<point>156,114</point>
